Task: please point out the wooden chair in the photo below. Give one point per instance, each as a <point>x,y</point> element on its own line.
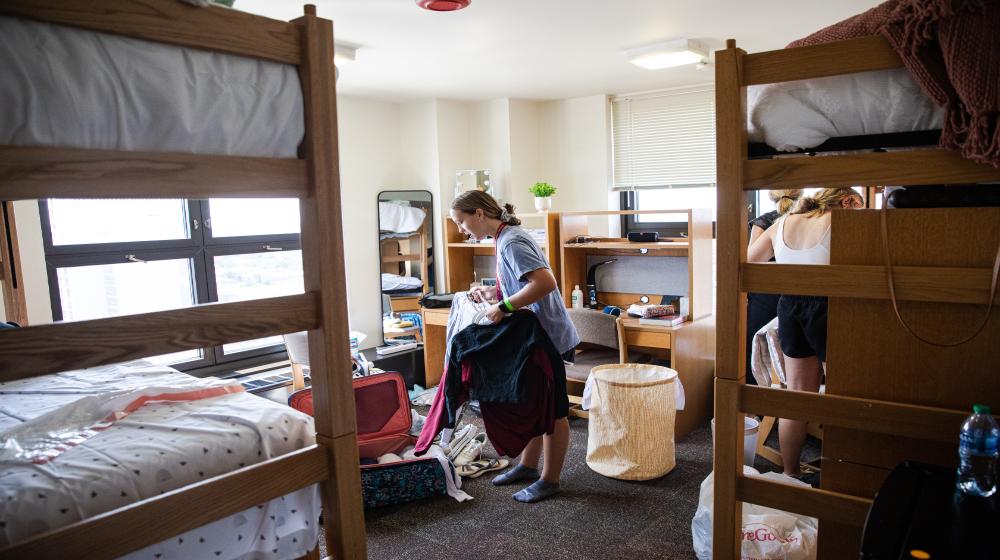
<point>602,341</point>
<point>768,368</point>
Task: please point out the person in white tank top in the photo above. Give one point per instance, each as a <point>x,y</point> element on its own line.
<point>802,237</point>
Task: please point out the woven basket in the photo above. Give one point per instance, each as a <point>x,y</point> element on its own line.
<point>631,426</point>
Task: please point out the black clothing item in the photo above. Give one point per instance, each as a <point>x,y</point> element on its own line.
<point>500,355</point>
<point>765,221</point>
<point>802,326</point>
<point>761,308</point>
<point>570,356</point>
<point>435,301</point>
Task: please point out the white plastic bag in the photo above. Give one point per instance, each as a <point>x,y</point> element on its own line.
<point>767,533</point>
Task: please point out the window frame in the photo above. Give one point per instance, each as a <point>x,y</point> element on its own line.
<point>201,247</point>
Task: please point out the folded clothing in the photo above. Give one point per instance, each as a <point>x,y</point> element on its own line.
<point>647,311</point>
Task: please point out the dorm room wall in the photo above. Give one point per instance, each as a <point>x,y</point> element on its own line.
<point>575,148</point>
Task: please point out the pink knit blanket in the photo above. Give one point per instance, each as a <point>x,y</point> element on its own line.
<point>952,49</point>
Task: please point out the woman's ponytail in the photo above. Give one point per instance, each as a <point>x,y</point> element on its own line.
<point>507,215</point>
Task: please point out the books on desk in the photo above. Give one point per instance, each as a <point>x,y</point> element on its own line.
<point>663,320</point>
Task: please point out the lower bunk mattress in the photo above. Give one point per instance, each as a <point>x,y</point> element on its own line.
<point>166,430</point>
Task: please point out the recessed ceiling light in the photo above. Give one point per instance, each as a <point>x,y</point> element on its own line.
<point>668,54</point>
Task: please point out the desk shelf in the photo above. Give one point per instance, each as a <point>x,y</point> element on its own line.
<point>623,244</point>
<point>696,248</point>
<point>459,257</point>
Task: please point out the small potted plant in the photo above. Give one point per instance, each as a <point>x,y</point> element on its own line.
<point>543,196</point>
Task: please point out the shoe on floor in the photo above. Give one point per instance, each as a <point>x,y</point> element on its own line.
<point>460,440</point>
<point>476,469</point>
<point>471,450</point>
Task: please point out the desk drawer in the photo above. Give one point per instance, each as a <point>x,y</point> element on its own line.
<point>648,338</point>
<point>404,303</point>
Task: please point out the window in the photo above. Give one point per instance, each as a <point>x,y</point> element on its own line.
<point>118,257</point>
<point>664,140</point>
<point>664,156</point>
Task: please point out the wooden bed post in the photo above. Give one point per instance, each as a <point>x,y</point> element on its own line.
<point>323,264</point>
<point>730,347</point>
<point>11,276</point>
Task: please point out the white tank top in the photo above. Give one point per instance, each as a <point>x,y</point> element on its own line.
<point>817,254</point>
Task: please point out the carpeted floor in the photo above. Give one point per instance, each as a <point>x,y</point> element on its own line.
<point>593,518</point>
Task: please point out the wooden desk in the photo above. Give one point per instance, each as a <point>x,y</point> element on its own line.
<point>691,349</point>
<point>435,343</point>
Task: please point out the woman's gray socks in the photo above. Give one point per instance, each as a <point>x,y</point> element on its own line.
<point>538,491</point>
<point>516,474</point>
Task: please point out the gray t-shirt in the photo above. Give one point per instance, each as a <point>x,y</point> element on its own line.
<point>518,255</point>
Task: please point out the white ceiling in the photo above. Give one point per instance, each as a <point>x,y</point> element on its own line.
<point>543,49</point>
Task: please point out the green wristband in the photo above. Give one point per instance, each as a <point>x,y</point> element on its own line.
<point>507,305</point>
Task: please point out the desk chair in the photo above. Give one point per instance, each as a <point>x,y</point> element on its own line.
<point>767,364</point>
<point>602,341</point>
<point>297,345</point>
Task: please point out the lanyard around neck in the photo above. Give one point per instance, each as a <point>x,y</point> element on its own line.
<point>496,245</point>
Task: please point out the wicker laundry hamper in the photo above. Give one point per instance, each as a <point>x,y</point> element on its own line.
<point>631,427</point>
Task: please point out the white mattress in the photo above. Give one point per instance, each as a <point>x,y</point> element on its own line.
<point>68,87</point>
<point>160,446</point>
<point>805,113</point>
<point>396,282</point>
<point>398,218</point>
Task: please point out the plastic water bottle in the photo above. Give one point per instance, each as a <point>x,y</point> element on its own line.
<point>977,450</point>
<point>577,297</point>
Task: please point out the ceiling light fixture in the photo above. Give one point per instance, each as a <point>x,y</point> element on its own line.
<point>668,54</point>
<point>443,5</point>
<point>343,54</point>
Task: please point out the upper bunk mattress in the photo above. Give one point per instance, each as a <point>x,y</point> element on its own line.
<point>803,114</point>
<point>69,87</point>
<point>184,430</point>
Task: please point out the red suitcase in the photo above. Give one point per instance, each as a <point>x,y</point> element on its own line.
<point>384,421</point>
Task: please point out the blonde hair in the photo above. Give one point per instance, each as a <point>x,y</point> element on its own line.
<point>473,200</point>
<point>825,199</point>
<point>784,199</point>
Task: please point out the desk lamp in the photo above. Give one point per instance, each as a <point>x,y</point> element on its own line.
<point>592,283</point>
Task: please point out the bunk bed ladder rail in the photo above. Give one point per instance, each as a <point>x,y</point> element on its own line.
<point>735,175</point>
<point>33,173</point>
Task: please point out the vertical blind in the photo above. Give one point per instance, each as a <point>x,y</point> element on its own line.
<point>664,140</point>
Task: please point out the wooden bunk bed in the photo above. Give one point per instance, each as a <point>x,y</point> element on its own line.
<point>877,409</point>
<point>15,307</point>
<point>417,245</point>
<point>44,172</point>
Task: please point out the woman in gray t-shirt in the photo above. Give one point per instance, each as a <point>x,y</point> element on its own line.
<point>524,279</point>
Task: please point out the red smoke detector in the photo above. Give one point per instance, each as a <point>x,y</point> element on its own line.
<point>443,5</point>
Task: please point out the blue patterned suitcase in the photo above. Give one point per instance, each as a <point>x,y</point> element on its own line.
<point>384,421</point>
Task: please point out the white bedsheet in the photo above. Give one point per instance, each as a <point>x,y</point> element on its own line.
<point>805,113</point>
<point>69,87</point>
<point>396,282</point>
<point>158,447</point>
<point>399,218</point>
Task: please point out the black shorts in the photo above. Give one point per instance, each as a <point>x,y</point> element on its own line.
<point>802,326</point>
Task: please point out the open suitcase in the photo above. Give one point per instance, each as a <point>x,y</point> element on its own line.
<point>384,421</point>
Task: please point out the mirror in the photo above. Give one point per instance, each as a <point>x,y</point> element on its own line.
<point>406,262</point>
<point>468,179</point>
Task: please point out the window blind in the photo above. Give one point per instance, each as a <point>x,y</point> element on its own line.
<point>664,140</point>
